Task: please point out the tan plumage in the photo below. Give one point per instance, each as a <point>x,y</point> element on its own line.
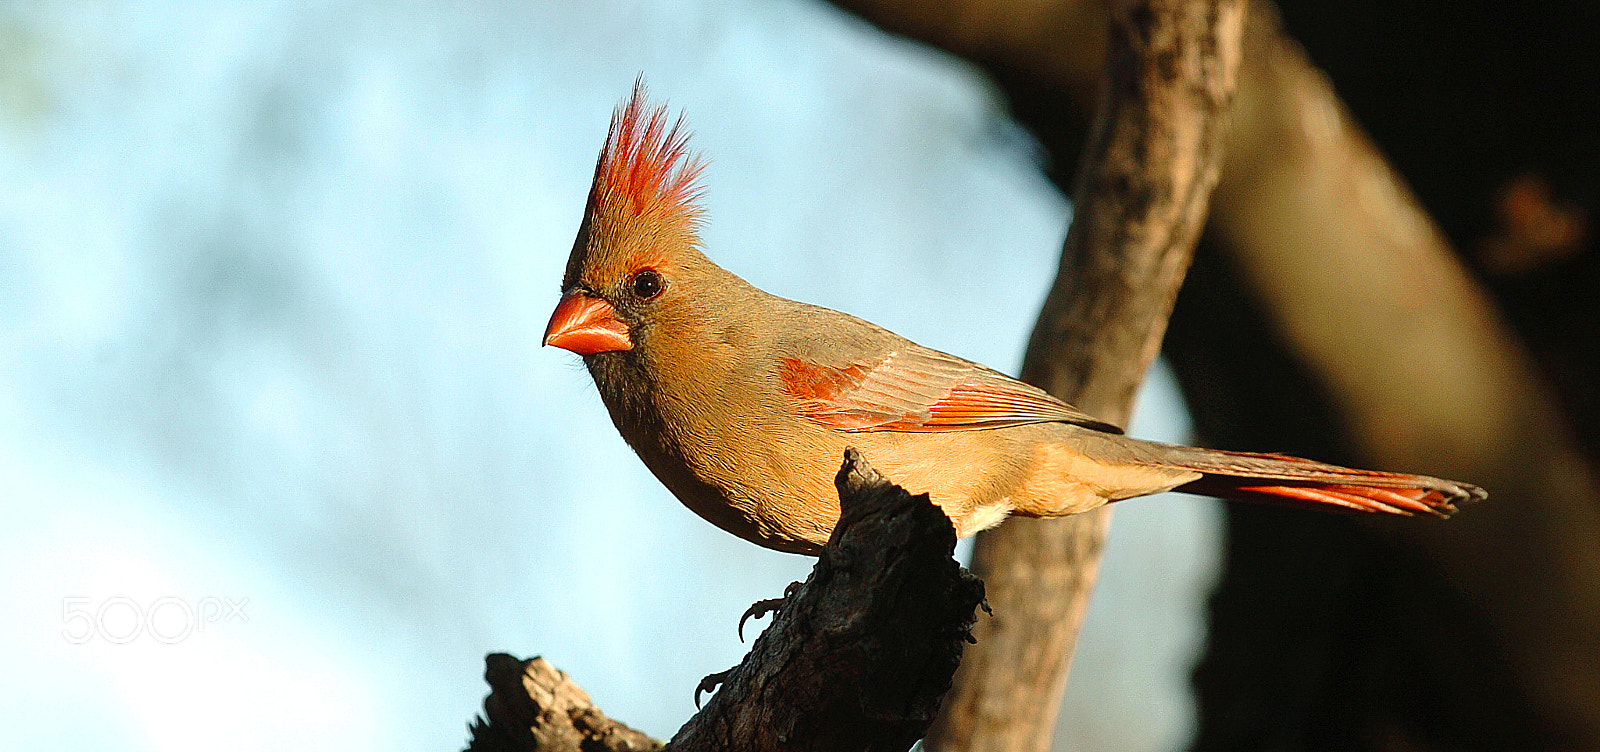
<point>743,403</point>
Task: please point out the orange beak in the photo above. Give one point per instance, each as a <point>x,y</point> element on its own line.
<point>586,325</point>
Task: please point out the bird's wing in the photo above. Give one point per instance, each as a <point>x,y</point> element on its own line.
<point>917,389</point>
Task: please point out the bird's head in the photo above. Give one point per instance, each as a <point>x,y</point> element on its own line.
<point>638,242</point>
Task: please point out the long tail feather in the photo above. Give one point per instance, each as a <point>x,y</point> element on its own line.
<point>1281,479</point>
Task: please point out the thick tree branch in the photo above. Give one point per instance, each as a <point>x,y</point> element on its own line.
<point>855,659</point>
<point>1141,198</point>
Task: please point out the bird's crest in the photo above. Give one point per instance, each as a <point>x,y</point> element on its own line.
<point>645,167</point>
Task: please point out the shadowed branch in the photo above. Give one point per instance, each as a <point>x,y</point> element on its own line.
<point>856,658</point>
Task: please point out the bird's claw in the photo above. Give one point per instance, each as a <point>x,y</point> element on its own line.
<point>710,683</point>
<point>763,607</point>
<point>757,610</point>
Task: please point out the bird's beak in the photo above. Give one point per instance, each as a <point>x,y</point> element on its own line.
<point>586,325</point>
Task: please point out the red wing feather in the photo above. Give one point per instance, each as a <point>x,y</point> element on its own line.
<point>920,391</point>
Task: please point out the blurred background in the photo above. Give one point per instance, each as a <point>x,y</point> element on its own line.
<point>280,456</point>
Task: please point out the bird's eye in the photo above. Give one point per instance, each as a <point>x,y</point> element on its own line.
<point>646,284</point>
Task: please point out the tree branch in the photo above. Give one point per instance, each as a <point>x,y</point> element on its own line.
<point>1140,202</point>
<point>856,658</point>
<point>534,706</point>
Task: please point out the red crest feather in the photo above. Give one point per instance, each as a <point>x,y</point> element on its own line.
<point>646,167</point>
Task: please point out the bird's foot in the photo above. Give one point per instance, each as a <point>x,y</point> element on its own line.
<point>763,607</point>
<point>710,683</point>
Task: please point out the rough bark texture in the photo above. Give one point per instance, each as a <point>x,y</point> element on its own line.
<point>1148,171</point>
<point>855,659</point>
<point>533,706</point>
<point>1328,317</point>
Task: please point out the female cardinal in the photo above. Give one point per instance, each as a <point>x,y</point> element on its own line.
<point>743,403</point>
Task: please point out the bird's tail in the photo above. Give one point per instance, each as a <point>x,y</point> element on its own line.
<point>1281,479</point>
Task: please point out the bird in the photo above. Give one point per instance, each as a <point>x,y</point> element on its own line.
<point>742,403</point>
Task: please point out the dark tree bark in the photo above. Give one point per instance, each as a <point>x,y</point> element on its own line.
<point>534,706</point>
<point>856,658</point>
<point>1141,198</point>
